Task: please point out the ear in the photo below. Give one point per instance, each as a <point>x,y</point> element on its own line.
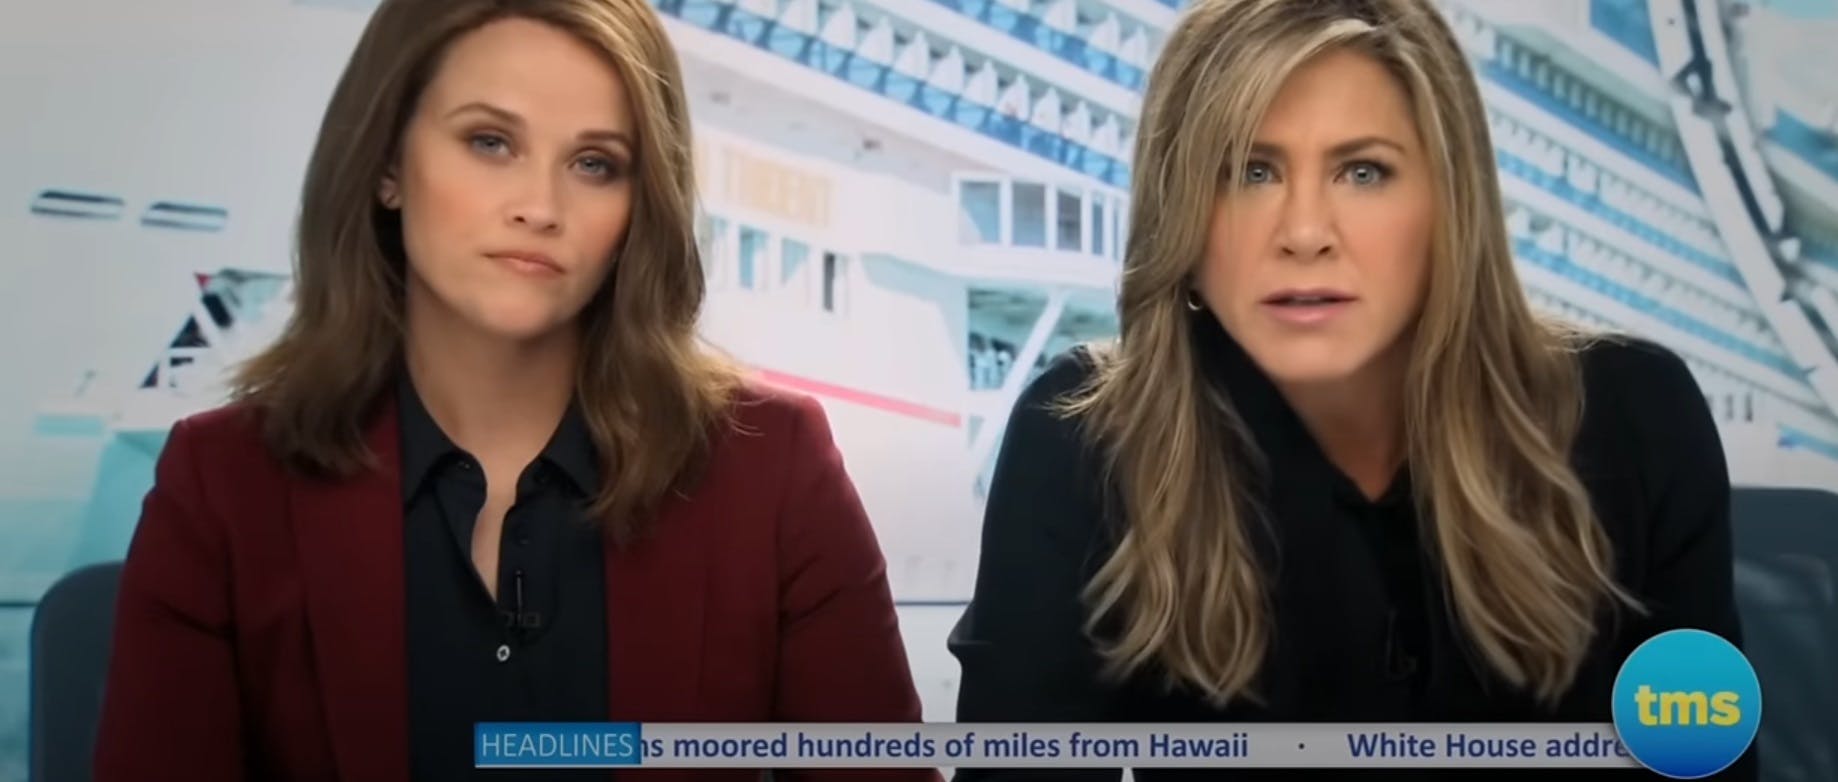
<point>389,190</point>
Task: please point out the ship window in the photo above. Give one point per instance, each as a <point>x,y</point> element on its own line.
<point>1069,219</point>
<point>980,212</point>
<point>985,373</point>
<point>792,255</point>
<point>1030,214</point>
<point>1097,226</point>
<point>752,257</point>
<point>835,282</point>
<point>711,234</point>
<point>1118,224</point>
<point>189,217</point>
<point>70,203</point>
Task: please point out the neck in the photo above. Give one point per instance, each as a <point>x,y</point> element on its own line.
<point>496,398</point>
<point>1359,424</point>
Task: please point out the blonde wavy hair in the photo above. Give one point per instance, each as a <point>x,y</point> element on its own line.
<point>1493,396</point>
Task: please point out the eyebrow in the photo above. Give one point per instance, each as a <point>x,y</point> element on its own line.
<point>510,118</point>
<point>1343,149</point>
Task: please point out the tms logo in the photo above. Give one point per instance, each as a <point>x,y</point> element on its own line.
<point>1687,704</point>
<point>1688,708</point>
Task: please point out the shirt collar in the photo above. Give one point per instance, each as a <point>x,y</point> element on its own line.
<point>570,449</point>
<point>424,445</point>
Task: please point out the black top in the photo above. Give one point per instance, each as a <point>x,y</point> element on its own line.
<point>536,654</point>
<point>1362,632</point>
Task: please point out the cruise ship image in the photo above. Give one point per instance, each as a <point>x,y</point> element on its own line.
<point>909,207</point>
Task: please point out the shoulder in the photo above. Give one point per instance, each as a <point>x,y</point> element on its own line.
<point>1047,455</point>
<point>1642,388</point>
<point>1635,363</point>
<point>1064,374</point>
<point>1646,420</point>
<point>765,416</point>
<point>1038,420</point>
<point>769,437</point>
<point>213,466</point>
<point>229,434</point>
<point>222,455</point>
<point>776,466</point>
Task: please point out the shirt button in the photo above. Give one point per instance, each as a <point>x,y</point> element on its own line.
<point>504,652</point>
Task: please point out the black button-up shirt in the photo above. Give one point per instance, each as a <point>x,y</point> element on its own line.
<point>1363,629</point>
<point>538,652</point>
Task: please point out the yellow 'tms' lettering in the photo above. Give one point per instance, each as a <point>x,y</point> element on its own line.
<point>1687,707</point>
<point>1724,711</point>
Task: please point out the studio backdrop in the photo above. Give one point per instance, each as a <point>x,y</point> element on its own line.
<point>908,208</point>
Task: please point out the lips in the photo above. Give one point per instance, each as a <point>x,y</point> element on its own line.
<point>1307,308</point>
<point>530,262</point>
<point>1313,297</point>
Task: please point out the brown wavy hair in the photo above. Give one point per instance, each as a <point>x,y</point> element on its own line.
<point>651,394</point>
<point>1493,396</point>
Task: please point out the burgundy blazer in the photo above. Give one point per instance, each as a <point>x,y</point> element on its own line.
<point>260,628</point>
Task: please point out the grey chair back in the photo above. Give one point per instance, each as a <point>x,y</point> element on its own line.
<point>1786,544</point>
<point>71,631</point>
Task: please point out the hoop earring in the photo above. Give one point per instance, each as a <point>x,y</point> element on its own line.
<point>1193,302</point>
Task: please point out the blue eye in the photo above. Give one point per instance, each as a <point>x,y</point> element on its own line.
<point>488,143</point>
<point>1366,173</point>
<point>1259,173</point>
<point>600,168</point>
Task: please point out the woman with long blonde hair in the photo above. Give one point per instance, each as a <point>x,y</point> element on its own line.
<point>488,473</point>
<point>1334,468</point>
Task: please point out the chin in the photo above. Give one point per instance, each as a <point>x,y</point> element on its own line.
<point>1302,375</point>
<point>519,323</point>
<point>1306,365</point>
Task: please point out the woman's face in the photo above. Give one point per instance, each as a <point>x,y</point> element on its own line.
<point>514,181</point>
<point>1318,267</point>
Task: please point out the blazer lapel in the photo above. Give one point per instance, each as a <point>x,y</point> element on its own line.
<point>350,540</point>
<point>655,605</point>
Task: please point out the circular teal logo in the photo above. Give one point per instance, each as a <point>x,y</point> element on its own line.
<point>1687,704</point>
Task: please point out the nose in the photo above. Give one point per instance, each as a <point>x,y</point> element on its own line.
<point>1307,229</point>
<point>537,206</point>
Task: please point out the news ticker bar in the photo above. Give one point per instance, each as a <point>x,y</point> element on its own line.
<point>1049,745</point>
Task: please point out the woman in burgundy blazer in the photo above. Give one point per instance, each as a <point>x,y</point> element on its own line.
<point>487,473</point>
